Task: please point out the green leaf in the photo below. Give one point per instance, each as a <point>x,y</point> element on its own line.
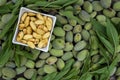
<point>112,34</point>
<point>86,76</point>
<point>17,60</point>
<point>50,76</point>
<point>4,9</point>
<point>34,76</point>
<point>70,2</point>
<point>106,43</point>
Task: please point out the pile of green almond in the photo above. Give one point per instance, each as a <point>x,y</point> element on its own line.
<point>84,45</point>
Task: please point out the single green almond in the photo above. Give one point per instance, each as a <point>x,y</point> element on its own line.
<point>69,8</point>
<point>44,55</point>
<point>88,26</point>
<point>61,19</point>
<point>21,78</point>
<point>58,31</point>
<point>87,6</point>
<point>82,55</point>
<point>10,64</point>
<point>68,46</point>
<point>77,29</point>
<point>39,63</point>
<point>72,22</point>
<point>77,65</point>
<point>29,73</point>
<point>69,36</point>
<point>20,70</point>
<point>97,6</point>
<point>84,16</point>
<point>30,64</point>
<point>8,72</point>
<point>94,42</point>
<point>115,20</point>
<point>93,14</point>
<point>109,13</point>
<point>49,69</point>
<point>101,18</point>
<point>106,3</point>
<point>67,56</point>
<point>80,45</point>
<point>58,43</point>
<point>39,78</point>
<point>77,37</point>
<point>80,2</point>
<point>95,58</point>
<point>116,6</point>
<point>6,17</point>
<point>85,35</point>
<point>60,64</point>
<point>67,27</point>
<point>51,60</point>
<point>23,60</point>
<point>56,52</point>
<point>41,71</point>
<point>94,52</point>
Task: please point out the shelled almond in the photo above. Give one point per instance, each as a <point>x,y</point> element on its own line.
<point>34,29</point>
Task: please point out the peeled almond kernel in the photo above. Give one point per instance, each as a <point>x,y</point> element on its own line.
<point>24,41</point>
<point>32,40</point>
<point>39,16</point>
<point>39,31</point>
<point>45,29</point>
<point>18,39</point>
<point>31,14</point>
<point>26,37</point>
<point>40,26</point>
<point>21,26</point>
<point>33,26</point>
<point>49,25</point>
<point>49,19</point>
<point>37,36</point>
<point>31,44</point>
<point>20,35</point>
<point>24,16</point>
<point>24,31</point>
<point>36,41</point>
<point>32,18</point>
<point>29,30</point>
<point>46,35</point>
<point>27,21</point>
<point>39,22</point>
<point>41,44</point>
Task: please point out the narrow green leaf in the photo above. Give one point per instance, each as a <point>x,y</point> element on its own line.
<point>112,34</point>
<point>17,60</point>
<point>4,9</point>
<point>50,76</point>
<point>86,76</point>
<point>70,2</point>
<point>34,76</point>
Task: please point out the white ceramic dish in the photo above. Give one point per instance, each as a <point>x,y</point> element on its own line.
<point>22,10</point>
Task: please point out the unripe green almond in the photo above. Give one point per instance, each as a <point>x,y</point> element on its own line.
<point>51,60</point>
<point>67,27</point>
<point>30,64</point>
<point>82,55</point>
<point>77,9</point>
<point>94,42</point>
<point>115,20</point>
<point>80,45</point>
<point>58,43</point>
<point>29,73</point>
<point>58,31</point>
<point>97,6</point>
<point>8,72</point>
<point>68,46</point>
<point>88,26</point>
<point>61,19</point>
<point>10,64</point>
<point>85,34</point>
<point>6,17</point>
<point>69,7</point>
<point>109,13</point>
<point>88,6</point>
<point>106,3</point>
<point>60,64</point>
<point>40,63</point>
<point>93,14</point>
<point>44,55</point>
<point>21,78</point>
<point>41,71</point>
<point>95,58</point>
<point>72,22</point>
<point>20,70</point>
<point>67,56</point>
<point>92,32</point>
<point>56,52</point>
<point>39,78</point>
<point>23,60</point>
<point>35,53</point>
<point>77,29</point>
<point>101,18</point>
<point>77,65</point>
<point>69,36</point>
<point>94,52</point>
<point>116,6</point>
<point>77,37</point>
<point>80,2</point>
<point>2,2</point>
<point>49,69</point>
<point>84,16</point>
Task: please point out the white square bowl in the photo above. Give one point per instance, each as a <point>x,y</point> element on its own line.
<point>22,10</point>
